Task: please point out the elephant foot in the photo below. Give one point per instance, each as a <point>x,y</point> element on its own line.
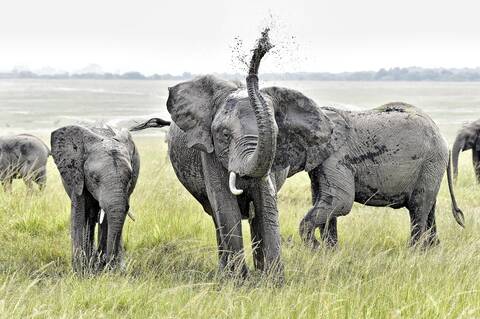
<point>232,268</point>
<point>330,243</point>
<point>424,243</point>
<point>307,233</point>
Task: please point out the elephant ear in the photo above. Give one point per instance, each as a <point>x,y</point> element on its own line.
<point>304,131</point>
<point>192,104</point>
<point>68,152</point>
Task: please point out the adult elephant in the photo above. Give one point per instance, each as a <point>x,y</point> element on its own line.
<point>391,156</point>
<point>99,169</point>
<point>232,147</point>
<point>468,138</point>
<point>23,156</point>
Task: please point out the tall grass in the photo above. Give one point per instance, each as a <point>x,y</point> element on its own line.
<point>172,259</point>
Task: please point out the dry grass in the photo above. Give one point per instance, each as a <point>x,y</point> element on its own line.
<point>172,259</point>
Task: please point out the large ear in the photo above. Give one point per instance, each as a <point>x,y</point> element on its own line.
<point>68,152</point>
<point>192,104</point>
<point>304,131</point>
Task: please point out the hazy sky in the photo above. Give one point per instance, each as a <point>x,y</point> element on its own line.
<point>175,36</point>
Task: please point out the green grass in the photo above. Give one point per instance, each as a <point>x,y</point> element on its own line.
<point>172,261</point>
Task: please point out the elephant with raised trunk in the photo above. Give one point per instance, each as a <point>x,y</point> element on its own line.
<point>391,156</point>
<point>233,147</point>
<point>23,156</point>
<point>99,169</point>
<point>468,138</point>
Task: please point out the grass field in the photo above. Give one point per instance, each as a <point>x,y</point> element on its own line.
<point>172,260</point>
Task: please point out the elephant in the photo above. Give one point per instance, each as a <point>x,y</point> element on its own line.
<point>23,156</point>
<point>390,156</point>
<point>468,138</point>
<point>223,142</point>
<point>99,167</point>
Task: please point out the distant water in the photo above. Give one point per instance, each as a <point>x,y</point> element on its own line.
<point>39,106</point>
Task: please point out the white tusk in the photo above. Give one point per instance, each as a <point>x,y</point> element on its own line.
<point>130,214</point>
<point>231,183</point>
<point>102,216</point>
<point>271,183</point>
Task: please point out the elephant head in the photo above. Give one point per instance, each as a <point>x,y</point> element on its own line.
<point>251,130</point>
<point>99,169</point>
<point>468,138</point>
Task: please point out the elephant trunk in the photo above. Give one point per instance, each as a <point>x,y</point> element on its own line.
<point>116,213</point>
<point>458,146</point>
<point>257,162</point>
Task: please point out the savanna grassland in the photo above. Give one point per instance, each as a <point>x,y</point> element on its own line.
<point>172,259</point>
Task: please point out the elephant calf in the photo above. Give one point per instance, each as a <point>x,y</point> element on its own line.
<point>23,156</point>
<point>99,169</point>
<point>468,138</point>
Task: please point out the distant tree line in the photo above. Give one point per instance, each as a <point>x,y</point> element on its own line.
<point>393,74</point>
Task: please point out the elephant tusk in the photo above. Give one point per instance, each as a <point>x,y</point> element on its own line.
<point>231,184</point>
<point>130,214</point>
<point>270,183</point>
<point>102,216</point>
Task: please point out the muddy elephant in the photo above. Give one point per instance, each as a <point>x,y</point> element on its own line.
<point>232,148</point>
<point>99,169</point>
<point>23,156</point>
<point>468,138</point>
<point>391,156</point>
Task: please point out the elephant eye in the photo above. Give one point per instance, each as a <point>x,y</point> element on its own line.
<point>95,178</point>
<point>225,134</point>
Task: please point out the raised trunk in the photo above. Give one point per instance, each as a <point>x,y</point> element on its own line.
<point>457,148</point>
<point>259,162</point>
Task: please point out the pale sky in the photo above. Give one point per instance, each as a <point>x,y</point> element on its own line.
<point>154,36</point>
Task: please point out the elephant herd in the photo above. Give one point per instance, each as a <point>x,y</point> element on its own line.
<point>232,147</point>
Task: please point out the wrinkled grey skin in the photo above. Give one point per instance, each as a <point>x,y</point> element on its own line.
<point>99,169</point>
<point>468,138</point>
<point>392,156</point>
<point>23,156</point>
<point>216,132</point>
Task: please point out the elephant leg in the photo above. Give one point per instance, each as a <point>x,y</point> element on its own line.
<point>432,237</point>
<point>90,242</point>
<point>335,198</point>
<point>78,232</point>
<point>328,230</point>
<point>102,235</point>
<point>222,257</point>
<point>227,216</point>
<point>421,204</point>
<point>41,178</point>
<point>476,162</point>
<point>265,229</point>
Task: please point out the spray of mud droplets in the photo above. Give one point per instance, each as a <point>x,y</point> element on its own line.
<point>283,57</point>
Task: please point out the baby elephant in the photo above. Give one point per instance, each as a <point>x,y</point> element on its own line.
<point>23,156</point>
<point>99,169</point>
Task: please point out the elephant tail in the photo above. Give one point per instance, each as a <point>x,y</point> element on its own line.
<point>457,212</point>
<point>154,123</point>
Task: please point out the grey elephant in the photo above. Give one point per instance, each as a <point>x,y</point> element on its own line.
<point>99,169</point>
<point>468,138</point>
<point>23,156</point>
<point>223,143</point>
<point>391,156</point>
